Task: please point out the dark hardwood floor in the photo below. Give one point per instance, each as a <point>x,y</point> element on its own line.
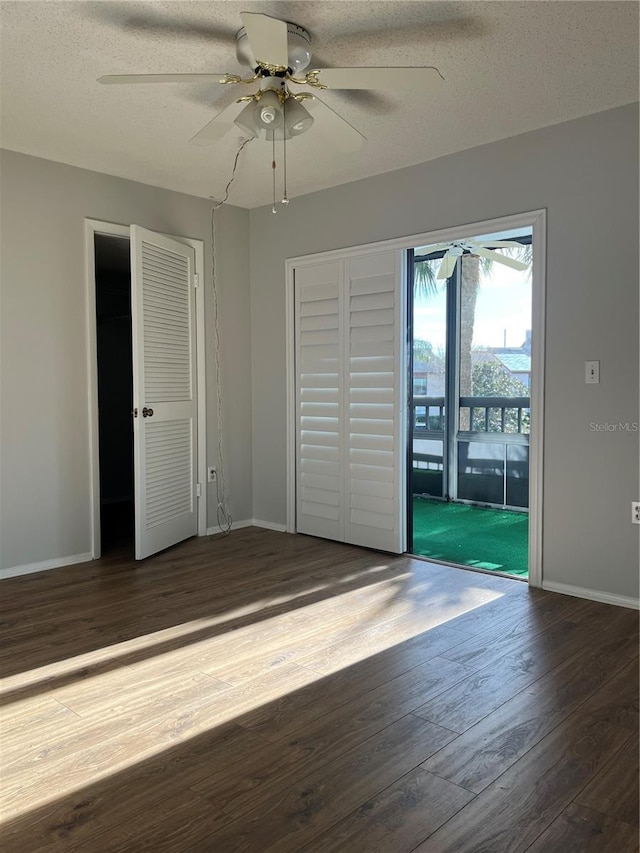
<point>272,692</point>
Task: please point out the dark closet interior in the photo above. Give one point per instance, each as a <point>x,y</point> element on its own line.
<point>115,390</point>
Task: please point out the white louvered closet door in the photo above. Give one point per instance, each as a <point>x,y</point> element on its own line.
<point>164,390</point>
<point>350,418</point>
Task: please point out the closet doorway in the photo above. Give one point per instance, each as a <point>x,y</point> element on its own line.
<point>146,388</point>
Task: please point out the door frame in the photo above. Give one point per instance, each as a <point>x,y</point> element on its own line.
<point>536,220</point>
<point>93,227</point>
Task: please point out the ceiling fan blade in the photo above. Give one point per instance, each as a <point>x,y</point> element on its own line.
<point>436,247</point>
<point>218,126</point>
<point>267,37</point>
<point>447,266</point>
<point>501,259</point>
<point>418,79</point>
<point>495,244</point>
<point>334,127</point>
<point>159,78</point>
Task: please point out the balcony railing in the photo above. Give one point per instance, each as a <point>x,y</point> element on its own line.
<point>503,415</point>
<point>491,414</point>
<point>428,414</point>
<point>490,449</point>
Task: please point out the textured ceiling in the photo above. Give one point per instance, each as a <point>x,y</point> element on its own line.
<point>509,67</point>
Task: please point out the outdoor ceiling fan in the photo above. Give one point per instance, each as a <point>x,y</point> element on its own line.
<point>277,52</point>
<point>457,248</point>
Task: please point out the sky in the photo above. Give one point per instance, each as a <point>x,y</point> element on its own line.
<point>504,303</point>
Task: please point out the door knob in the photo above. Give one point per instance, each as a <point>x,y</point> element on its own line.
<point>147,413</point>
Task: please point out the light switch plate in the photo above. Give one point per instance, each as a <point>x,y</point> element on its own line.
<point>592,372</point>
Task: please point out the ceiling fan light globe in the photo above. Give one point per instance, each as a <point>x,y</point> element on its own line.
<point>268,111</point>
<point>298,49</point>
<point>297,119</point>
<point>246,121</point>
<point>299,45</point>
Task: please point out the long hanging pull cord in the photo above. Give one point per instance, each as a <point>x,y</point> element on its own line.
<point>274,209</point>
<point>285,197</point>
<point>223,515</point>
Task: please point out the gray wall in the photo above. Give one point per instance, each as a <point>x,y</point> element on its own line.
<point>44,510</point>
<point>585,172</point>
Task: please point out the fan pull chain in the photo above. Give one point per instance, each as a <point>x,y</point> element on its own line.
<point>274,209</point>
<point>285,197</point>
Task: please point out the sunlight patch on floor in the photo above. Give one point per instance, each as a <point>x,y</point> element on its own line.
<point>185,690</point>
<point>61,670</point>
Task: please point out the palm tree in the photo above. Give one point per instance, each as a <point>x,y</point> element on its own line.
<point>422,351</point>
<point>426,284</point>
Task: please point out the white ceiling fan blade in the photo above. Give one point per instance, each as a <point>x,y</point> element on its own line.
<point>447,266</point>
<point>110,79</point>
<point>218,126</point>
<point>501,259</point>
<point>267,37</point>
<point>416,79</point>
<point>334,127</point>
<point>437,247</point>
<point>496,244</point>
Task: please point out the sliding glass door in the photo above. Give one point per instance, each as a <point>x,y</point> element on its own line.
<point>469,409</point>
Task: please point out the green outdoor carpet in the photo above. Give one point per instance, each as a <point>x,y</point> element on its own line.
<point>481,537</point>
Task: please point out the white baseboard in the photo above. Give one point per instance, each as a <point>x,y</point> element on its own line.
<point>249,522</point>
<point>45,565</point>
<point>592,594</point>
<point>269,525</point>
<point>236,525</point>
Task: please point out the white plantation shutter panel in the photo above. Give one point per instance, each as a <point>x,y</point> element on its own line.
<point>350,466</point>
<point>374,446</point>
<point>319,415</point>
<point>164,365</point>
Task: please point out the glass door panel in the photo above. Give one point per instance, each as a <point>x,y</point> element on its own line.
<point>470,410</point>
<point>494,378</point>
<point>429,374</point>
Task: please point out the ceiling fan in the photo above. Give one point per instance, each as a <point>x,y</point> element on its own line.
<point>277,52</point>
<point>457,248</point>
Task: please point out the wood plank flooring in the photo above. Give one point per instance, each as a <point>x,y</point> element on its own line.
<point>267,692</point>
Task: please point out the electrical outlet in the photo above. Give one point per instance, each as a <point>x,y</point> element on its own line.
<point>212,475</point>
<point>635,512</point>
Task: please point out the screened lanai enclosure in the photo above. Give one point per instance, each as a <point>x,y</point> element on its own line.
<point>469,412</point>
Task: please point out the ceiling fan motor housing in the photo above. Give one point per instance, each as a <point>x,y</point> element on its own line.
<point>298,45</point>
